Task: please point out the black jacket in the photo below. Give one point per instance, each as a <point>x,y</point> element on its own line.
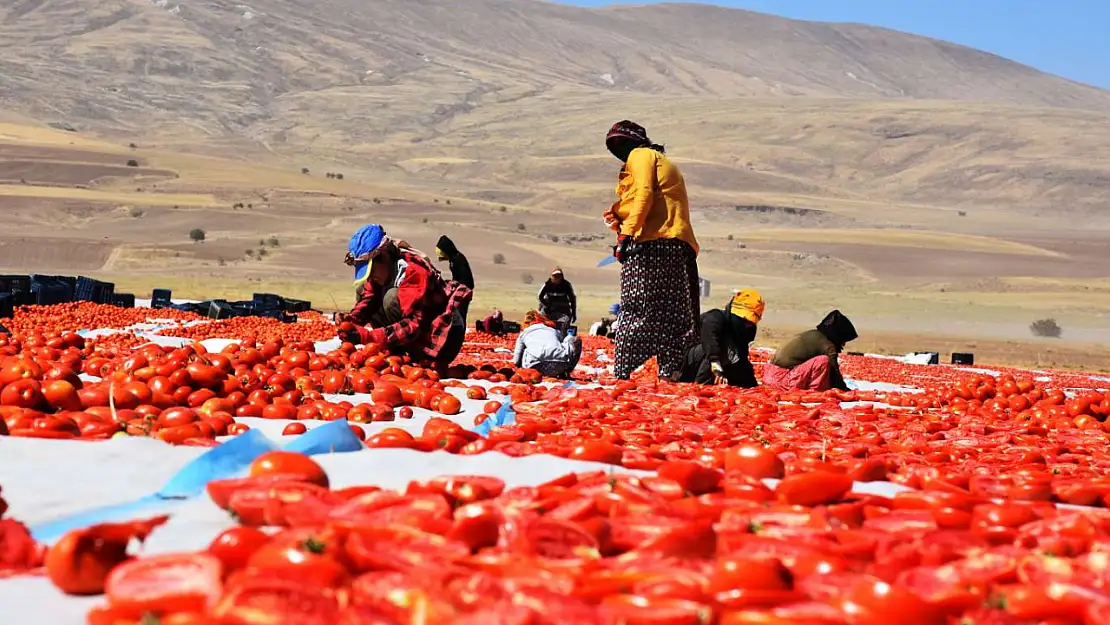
<point>460,266</point>
<point>840,331</point>
<point>558,300</point>
<point>724,339</point>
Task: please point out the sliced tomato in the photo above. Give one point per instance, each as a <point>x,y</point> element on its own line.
<point>165,584</point>
<point>249,598</point>
<point>639,610</point>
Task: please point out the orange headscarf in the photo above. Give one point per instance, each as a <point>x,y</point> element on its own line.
<point>533,317</point>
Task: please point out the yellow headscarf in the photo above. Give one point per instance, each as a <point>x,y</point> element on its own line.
<point>747,304</point>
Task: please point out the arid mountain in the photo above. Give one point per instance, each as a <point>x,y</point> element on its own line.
<point>229,65</point>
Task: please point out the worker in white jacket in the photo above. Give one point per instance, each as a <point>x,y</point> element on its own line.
<point>539,347</point>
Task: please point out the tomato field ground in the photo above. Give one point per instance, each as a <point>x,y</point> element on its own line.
<point>928,494</point>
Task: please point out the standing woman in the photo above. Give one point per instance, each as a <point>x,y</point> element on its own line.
<point>660,295</point>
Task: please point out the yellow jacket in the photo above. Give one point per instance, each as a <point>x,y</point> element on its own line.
<point>653,202</point>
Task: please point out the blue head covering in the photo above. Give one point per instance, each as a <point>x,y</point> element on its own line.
<point>365,242</point>
<point>615,309</point>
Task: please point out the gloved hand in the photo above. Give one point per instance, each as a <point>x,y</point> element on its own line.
<point>718,373</point>
<point>356,334</point>
<point>620,250</point>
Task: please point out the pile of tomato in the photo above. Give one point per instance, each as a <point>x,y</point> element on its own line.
<point>309,327</point>
<point>687,545</point>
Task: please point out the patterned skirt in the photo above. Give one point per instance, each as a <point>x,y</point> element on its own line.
<point>660,306</point>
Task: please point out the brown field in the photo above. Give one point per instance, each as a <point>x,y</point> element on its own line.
<point>937,195</point>
<point>909,288</point>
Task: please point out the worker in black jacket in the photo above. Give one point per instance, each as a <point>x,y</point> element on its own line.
<point>722,355</point>
<point>460,267</point>
<point>557,300</point>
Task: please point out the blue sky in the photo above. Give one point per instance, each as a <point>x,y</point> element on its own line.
<point>1070,38</point>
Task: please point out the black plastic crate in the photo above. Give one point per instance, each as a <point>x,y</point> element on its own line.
<point>7,305</point>
<point>268,300</point>
<point>87,289</point>
<point>123,300</point>
<point>107,293</point>
<point>161,298</point>
<point>220,309</point>
<point>960,358</point>
<point>15,284</point>
<point>297,305</point>
<point>53,293</point>
<point>48,290</point>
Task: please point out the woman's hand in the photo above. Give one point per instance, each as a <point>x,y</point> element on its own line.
<point>611,220</point>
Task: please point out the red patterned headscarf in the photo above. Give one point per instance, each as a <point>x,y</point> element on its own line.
<point>630,131</point>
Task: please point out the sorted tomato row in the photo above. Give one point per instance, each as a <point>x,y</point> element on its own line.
<point>687,545</point>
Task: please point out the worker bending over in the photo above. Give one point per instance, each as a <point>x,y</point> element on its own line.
<point>540,347</point>
<point>809,361</point>
<point>722,355</point>
<point>404,303</point>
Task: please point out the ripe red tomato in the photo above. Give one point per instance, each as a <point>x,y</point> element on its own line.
<point>234,547</point>
<point>289,463</point>
<point>294,429</point>
<point>754,460</point>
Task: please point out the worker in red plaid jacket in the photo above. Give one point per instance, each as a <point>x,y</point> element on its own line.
<point>404,303</point>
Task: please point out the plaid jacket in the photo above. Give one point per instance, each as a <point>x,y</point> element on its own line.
<point>428,305</point>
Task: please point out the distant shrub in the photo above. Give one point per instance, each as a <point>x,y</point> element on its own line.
<point>527,278</point>
<point>339,176</point>
<point>132,163</point>
<point>731,237</point>
<point>521,227</point>
<point>304,170</point>
<point>504,209</point>
<point>499,259</point>
<point>250,253</point>
<point>137,212</point>
<point>274,242</point>
<point>447,202</point>
<point>1046,328</point>
<point>132,146</point>
<point>197,235</point>
<point>262,252</point>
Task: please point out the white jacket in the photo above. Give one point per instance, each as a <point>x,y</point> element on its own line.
<point>540,343</point>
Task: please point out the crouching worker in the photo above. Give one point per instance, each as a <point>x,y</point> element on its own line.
<point>403,302</point>
<point>722,355</point>
<point>809,361</point>
<point>539,347</point>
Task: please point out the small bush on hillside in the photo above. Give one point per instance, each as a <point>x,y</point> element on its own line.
<point>339,176</point>
<point>521,227</point>
<point>132,146</point>
<point>197,235</point>
<point>499,259</point>
<point>137,212</point>
<point>304,170</point>
<point>1046,328</point>
<point>274,242</point>
<point>132,163</point>
<point>527,278</point>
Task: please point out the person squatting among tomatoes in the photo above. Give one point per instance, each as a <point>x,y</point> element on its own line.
<point>808,362</point>
<point>540,346</point>
<point>660,295</point>
<point>404,303</point>
<point>722,355</point>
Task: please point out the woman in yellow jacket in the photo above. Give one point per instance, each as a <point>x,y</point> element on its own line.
<point>660,295</point>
